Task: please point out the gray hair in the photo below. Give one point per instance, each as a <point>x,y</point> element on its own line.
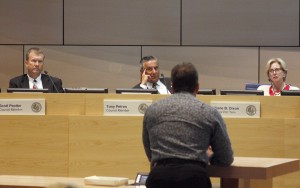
<point>280,62</point>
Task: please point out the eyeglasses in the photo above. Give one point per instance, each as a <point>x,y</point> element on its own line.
<point>150,69</point>
<point>275,70</point>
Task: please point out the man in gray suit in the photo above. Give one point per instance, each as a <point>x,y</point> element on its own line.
<point>34,79</point>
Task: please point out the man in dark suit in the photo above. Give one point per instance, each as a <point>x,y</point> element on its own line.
<point>150,76</point>
<point>34,79</point>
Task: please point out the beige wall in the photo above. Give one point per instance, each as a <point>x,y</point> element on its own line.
<point>98,43</point>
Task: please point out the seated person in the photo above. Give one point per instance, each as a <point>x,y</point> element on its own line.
<point>276,72</point>
<point>150,76</point>
<point>34,79</point>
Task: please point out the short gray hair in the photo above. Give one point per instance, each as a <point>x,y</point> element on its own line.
<point>280,62</point>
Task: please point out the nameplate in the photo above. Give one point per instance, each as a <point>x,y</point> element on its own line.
<point>125,107</point>
<point>236,109</point>
<point>22,106</point>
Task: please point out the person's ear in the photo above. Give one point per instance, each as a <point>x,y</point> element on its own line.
<point>196,89</point>
<point>172,90</point>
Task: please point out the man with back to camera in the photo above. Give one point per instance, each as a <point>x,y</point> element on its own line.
<point>34,79</point>
<point>150,76</point>
<point>181,135</point>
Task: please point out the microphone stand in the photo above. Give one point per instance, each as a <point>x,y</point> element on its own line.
<point>52,81</point>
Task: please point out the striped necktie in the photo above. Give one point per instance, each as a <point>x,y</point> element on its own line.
<point>154,85</point>
<point>34,84</point>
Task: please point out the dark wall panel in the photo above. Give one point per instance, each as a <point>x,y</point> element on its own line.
<point>122,22</point>
<point>31,22</point>
<point>244,22</point>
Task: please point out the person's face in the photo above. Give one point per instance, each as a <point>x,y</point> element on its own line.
<point>152,70</point>
<point>276,74</point>
<point>35,64</point>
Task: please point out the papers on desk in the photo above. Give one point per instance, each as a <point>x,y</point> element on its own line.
<point>104,180</point>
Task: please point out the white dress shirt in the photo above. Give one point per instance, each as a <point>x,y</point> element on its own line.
<point>161,88</point>
<point>266,89</point>
<point>38,82</point>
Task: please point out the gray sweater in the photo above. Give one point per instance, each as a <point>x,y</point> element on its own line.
<point>181,126</point>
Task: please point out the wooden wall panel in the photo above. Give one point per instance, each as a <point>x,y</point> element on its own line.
<point>122,22</point>
<point>82,142</point>
<point>31,22</point>
<point>35,145</point>
<point>106,146</point>
<point>11,63</point>
<point>245,23</point>
<point>218,67</point>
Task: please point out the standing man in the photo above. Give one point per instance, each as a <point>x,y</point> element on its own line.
<point>34,79</point>
<point>181,135</point>
<point>150,76</point>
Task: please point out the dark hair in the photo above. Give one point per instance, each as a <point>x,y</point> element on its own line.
<point>184,77</point>
<point>146,59</point>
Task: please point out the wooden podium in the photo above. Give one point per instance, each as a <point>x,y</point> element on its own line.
<point>252,172</point>
<point>75,139</point>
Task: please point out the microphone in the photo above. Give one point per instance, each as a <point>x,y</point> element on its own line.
<point>46,72</point>
<point>164,80</point>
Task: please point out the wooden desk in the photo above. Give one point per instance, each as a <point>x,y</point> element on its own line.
<point>253,172</point>
<point>74,139</point>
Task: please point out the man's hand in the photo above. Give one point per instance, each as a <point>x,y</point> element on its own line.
<point>144,78</point>
<point>209,153</point>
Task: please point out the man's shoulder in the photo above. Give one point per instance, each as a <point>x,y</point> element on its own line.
<point>17,78</point>
<point>294,88</point>
<point>137,86</point>
<point>45,76</point>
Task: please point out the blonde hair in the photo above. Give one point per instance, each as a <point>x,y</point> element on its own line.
<point>281,63</point>
<point>35,51</point>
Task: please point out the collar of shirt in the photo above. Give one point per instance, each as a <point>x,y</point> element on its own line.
<point>161,88</point>
<point>39,83</point>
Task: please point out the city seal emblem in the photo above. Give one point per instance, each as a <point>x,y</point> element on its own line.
<point>36,107</point>
<point>142,108</point>
<point>251,110</point>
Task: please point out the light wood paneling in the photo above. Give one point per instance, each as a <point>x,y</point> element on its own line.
<point>106,146</point>
<point>36,145</point>
<point>92,104</point>
<point>11,63</point>
<point>257,137</point>
<point>80,141</point>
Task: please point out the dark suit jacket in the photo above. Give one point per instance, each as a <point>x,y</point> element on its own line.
<point>165,81</point>
<point>23,82</point>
